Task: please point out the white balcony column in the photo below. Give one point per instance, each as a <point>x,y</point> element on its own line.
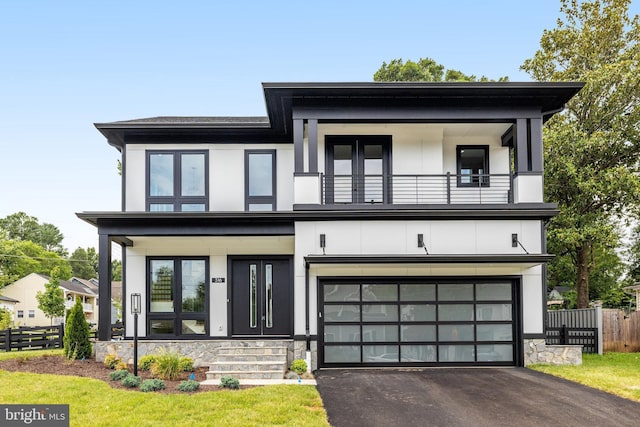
<point>307,188</point>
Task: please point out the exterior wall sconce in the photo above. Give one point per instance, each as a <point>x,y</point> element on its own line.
<point>323,243</point>
<point>136,308</point>
<point>421,243</point>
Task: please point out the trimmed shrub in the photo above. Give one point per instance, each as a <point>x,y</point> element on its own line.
<point>186,364</point>
<point>111,360</point>
<point>166,366</point>
<point>229,382</point>
<point>131,381</point>
<point>152,385</point>
<point>76,334</point>
<point>189,385</point>
<point>118,375</point>
<point>299,366</point>
<point>121,365</point>
<point>145,362</point>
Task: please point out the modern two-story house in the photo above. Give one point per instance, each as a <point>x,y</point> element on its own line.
<point>358,224</point>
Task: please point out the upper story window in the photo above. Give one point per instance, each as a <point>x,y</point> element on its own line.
<point>260,180</point>
<point>473,165</point>
<point>177,181</point>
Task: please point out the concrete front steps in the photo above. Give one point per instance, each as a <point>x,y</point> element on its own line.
<point>250,360</point>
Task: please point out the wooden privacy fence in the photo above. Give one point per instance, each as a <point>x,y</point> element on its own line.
<point>621,330</point>
<point>32,338</point>
<point>576,327</point>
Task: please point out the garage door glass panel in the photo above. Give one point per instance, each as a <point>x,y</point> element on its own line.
<point>495,332</point>
<point>493,312</point>
<point>342,354</point>
<point>341,333</point>
<point>456,353</point>
<point>495,353</point>
<point>493,291</point>
<point>379,292</point>
<point>418,353</point>
<point>379,333</point>
<point>342,313</point>
<point>380,313</point>
<point>380,354</point>
<point>418,332</point>
<point>417,292</point>
<point>455,292</point>
<point>455,332</point>
<point>418,312</point>
<point>341,293</point>
<point>455,312</point>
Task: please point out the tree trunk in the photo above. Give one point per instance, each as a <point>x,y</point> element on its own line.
<point>584,266</point>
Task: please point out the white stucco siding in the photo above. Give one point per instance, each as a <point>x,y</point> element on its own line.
<point>216,249</point>
<point>533,301</point>
<point>226,174</point>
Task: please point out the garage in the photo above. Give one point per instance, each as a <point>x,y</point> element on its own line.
<point>418,322</point>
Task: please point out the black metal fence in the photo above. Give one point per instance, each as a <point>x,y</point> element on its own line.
<point>575,327</point>
<point>32,338</point>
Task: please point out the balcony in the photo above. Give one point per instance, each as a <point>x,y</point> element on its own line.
<point>448,189</point>
<point>86,307</point>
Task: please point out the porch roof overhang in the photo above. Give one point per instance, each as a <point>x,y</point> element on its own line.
<point>282,98</point>
<point>525,260</point>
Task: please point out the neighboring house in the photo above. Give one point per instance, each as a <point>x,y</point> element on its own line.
<point>9,304</point>
<point>634,290</point>
<point>358,224</point>
<point>27,312</point>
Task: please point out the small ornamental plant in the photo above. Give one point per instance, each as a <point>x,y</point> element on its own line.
<point>299,366</point>
<point>229,382</point>
<point>189,385</point>
<point>131,381</point>
<point>186,364</point>
<point>152,385</point>
<point>111,361</point>
<point>166,366</point>
<point>146,362</point>
<point>118,375</point>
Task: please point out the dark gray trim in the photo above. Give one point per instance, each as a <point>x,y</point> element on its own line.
<point>534,336</point>
<point>104,291</point>
<point>530,173</point>
<point>312,126</point>
<point>405,114</point>
<point>298,145</point>
<point>307,173</point>
<point>429,259</point>
<point>507,138</point>
<point>535,134</point>
<point>124,284</point>
<point>273,199</point>
<point>521,149</point>
<point>304,337</point>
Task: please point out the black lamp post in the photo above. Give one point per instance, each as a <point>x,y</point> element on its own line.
<point>136,308</point>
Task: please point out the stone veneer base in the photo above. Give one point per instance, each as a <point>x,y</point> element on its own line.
<point>537,351</point>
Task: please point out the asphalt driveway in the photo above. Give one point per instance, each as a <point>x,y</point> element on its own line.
<point>467,397</point>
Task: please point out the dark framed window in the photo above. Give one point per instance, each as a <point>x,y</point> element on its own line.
<point>177,181</point>
<point>177,296</point>
<point>472,165</point>
<point>32,314</point>
<point>260,180</point>
<point>20,314</point>
<point>358,169</point>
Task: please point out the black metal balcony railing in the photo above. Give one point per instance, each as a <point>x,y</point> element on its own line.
<point>417,189</point>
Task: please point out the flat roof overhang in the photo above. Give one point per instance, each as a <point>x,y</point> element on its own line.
<point>524,260</point>
<point>281,98</point>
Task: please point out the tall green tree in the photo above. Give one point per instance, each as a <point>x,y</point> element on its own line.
<point>81,264</point>
<point>51,301</point>
<point>592,148</point>
<point>19,258</point>
<point>423,70</point>
<point>23,227</point>
<point>76,334</point>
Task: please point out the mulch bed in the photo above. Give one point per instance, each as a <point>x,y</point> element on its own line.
<point>58,365</point>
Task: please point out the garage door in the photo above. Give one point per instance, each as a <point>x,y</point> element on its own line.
<point>376,323</point>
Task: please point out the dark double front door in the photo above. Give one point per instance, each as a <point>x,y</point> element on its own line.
<point>261,296</point>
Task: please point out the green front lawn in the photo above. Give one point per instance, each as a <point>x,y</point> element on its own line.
<point>93,402</point>
<point>616,373</point>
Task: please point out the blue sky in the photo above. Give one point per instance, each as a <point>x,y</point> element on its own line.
<point>65,65</point>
